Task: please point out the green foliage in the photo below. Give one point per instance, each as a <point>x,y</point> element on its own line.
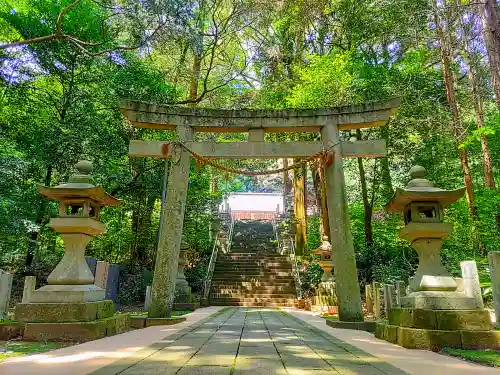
<point>58,105</point>
<point>484,357</point>
<point>19,348</point>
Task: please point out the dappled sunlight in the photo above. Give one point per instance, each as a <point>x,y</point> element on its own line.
<point>256,340</point>
<point>77,357</point>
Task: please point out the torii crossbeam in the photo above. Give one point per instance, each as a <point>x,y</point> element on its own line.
<point>326,121</point>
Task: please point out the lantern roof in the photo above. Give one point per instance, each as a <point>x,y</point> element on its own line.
<point>419,189</point>
<point>325,246</point>
<point>79,186</point>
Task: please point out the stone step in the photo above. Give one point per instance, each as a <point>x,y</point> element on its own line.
<point>251,304</point>
<point>234,284</point>
<point>255,300</point>
<point>271,257</point>
<point>234,278</point>
<point>287,290</point>
<point>253,271</point>
<point>253,263</point>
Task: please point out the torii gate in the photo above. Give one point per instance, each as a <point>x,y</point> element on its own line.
<point>327,121</point>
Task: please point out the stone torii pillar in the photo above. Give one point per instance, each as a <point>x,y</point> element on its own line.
<point>344,258</point>
<point>169,244</point>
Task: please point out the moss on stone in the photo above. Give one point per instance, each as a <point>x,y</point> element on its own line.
<point>74,331</point>
<point>105,309</point>
<point>137,322</point>
<point>164,321</point>
<point>391,334</point>
<point>480,339</point>
<point>471,320</point>
<point>63,312</point>
<point>56,312</point>
<point>413,318</point>
<point>118,323</point>
<point>414,338</point>
<point>380,330</point>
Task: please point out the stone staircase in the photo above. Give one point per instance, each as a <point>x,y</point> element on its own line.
<point>253,273</point>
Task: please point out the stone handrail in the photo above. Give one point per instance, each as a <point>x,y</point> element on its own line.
<point>295,269</point>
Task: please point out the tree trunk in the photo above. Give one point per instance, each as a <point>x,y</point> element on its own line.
<point>195,77</point>
<point>320,192</point>
<point>489,179</point>
<point>300,208</point>
<point>368,209</point>
<point>34,236</point>
<point>387,188</point>
<point>491,31</point>
<point>457,126</point>
<point>141,226</point>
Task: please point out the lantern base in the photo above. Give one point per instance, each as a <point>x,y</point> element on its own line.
<point>68,294</point>
<point>439,300</point>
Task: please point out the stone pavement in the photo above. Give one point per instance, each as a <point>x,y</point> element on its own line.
<point>250,341</point>
<point>241,341</point>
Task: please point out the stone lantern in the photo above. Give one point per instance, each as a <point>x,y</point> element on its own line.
<point>182,299</point>
<point>437,312</point>
<point>71,296</point>
<point>423,207</point>
<point>325,298</point>
<point>182,289</point>
<point>78,222</point>
<point>325,253</point>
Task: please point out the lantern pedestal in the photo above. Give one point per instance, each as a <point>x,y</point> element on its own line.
<point>71,307</point>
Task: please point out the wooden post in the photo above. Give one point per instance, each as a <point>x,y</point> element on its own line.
<point>167,254</point>
<point>369,298</point>
<point>376,299</point>
<point>344,259</point>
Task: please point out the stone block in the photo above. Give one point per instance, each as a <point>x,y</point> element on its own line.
<point>105,309</point>
<point>117,324</point>
<point>29,287</point>
<point>9,331</point>
<point>101,274</point>
<point>381,330</point>
<point>187,306</point>
<point>137,322</point>
<point>471,320</point>
<point>5,291</point>
<point>472,287</point>
<point>414,338</point>
<point>73,332</point>
<point>438,300</point>
<point>391,334</point>
<point>112,283</point>
<point>58,293</point>
<point>359,326</point>
<point>92,263</point>
<point>62,312</point>
<point>164,321</point>
<point>481,339</point>
<point>494,263</point>
<point>413,318</point>
<point>147,300</point>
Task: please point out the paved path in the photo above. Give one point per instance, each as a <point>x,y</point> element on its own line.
<point>84,358</point>
<point>250,341</point>
<point>236,341</point>
<point>412,361</point>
